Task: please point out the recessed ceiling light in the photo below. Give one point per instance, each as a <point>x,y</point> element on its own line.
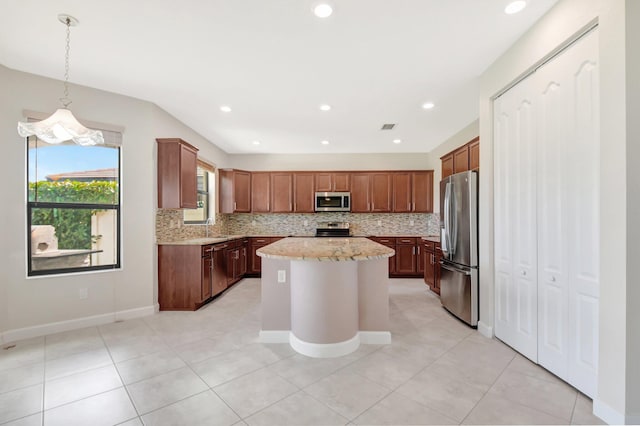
<point>256,142</point>
<point>322,10</point>
<point>396,141</point>
<point>428,105</point>
<point>325,107</point>
<point>325,142</point>
<point>225,108</point>
<point>515,7</point>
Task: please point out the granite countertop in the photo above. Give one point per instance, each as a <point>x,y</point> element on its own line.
<point>432,238</point>
<point>203,241</point>
<point>325,249</point>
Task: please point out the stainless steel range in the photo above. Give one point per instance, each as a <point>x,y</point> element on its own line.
<point>333,229</point>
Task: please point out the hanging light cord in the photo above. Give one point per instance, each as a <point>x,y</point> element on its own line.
<point>65,100</point>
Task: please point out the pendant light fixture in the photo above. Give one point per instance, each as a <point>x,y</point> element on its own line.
<point>62,125</point>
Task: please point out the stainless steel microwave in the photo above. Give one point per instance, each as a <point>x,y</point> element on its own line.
<point>333,201</point>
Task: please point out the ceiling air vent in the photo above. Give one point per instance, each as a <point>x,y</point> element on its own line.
<point>388,126</point>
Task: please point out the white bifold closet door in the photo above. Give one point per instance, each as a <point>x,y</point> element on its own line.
<point>563,108</point>
<point>515,218</point>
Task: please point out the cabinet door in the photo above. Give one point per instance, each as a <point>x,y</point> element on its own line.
<point>207,268</point>
<point>474,155</point>
<point>360,193</point>
<point>461,159</point>
<point>177,166</point>
<point>405,259</point>
<point>304,195</point>
<point>341,182</point>
<point>324,182</point>
<point>420,259</point>
<point>402,200</point>
<point>188,179</point>
<point>381,192</point>
<point>281,192</point>
<point>260,192</point>
<point>447,165</point>
<point>437,257</point>
<point>242,191</point>
<point>429,267</point>
<point>422,192</point>
<point>243,259</point>
<point>232,265</point>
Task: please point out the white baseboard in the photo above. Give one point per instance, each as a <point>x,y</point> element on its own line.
<point>375,337</point>
<point>57,327</point>
<point>274,336</point>
<point>609,415</point>
<point>485,330</point>
<point>324,350</point>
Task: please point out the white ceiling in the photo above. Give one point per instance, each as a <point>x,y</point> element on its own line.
<point>273,62</point>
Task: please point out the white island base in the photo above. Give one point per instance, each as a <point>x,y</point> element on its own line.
<point>325,308</point>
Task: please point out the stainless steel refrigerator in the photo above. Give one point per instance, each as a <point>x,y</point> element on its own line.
<point>459,242</point>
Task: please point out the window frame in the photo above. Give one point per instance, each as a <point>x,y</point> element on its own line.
<point>93,206</point>
<point>210,212</point>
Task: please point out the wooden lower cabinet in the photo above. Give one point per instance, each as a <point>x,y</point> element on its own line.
<point>391,243</point>
<point>407,262</point>
<point>432,265</point>
<point>254,262</point>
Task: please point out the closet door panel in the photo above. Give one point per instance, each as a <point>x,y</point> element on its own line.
<point>515,227</point>
<point>583,204</point>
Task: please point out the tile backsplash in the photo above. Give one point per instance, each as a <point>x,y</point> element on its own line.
<point>170,226</point>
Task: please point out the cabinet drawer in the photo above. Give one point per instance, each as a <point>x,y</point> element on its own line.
<point>207,250</point>
<point>429,245</point>
<point>261,240</point>
<point>404,240</point>
<point>387,241</point>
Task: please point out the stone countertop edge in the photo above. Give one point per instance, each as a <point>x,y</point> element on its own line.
<point>325,249</point>
<point>204,241</point>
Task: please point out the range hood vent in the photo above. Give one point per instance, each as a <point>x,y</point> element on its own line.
<point>388,126</point>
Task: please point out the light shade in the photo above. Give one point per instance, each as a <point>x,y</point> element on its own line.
<point>60,127</point>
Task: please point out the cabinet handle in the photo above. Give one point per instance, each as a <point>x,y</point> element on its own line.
<point>413,250</point>
<point>235,205</point>
<point>418,249</point>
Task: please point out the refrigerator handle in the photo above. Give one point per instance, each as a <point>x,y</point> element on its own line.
<point>447,221</point>
<point>453,221</point>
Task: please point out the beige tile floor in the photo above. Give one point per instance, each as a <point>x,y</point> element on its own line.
<point>206,368</point>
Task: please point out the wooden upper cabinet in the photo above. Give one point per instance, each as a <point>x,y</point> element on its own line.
<point>332,182</point>
<point>467,157</point>
<point>402,194</point>
<point>461,159</point>
<point>422,191</point>
<point>447,165</point>
<point>360,193</point>
<point>474,154</point>
<point>235,191</point>
<point>303,192</point>
<point>381,185</point>
<point>260,192</point>
<point>281,192</point>
<point>177,168</point>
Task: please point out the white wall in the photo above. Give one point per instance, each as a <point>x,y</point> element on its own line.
<point>34,302</point>
<point>560,23</point>
<point>274,162</point>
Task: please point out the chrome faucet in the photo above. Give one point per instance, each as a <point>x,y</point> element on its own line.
<point>206,226</point>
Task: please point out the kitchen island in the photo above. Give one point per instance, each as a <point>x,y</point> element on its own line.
<point>325,296</point>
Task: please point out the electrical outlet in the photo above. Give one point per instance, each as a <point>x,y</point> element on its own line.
<point>379,223</point>
<point>411,223</point>
<point>83,293</point>
<point>253,223</point>
<point>306,223</point>
<point>282,276</point>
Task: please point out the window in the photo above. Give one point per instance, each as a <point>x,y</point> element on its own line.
<point>206,190</point>
<point>73,207</point>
